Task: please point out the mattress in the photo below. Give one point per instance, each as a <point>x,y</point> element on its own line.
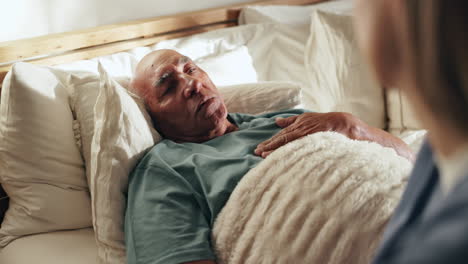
<point>71,247</point>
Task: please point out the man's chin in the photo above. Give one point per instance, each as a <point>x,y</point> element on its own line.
<point>214,109</point>
<point>218,121</point>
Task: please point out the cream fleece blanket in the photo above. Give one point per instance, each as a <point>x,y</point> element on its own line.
<point>321,199</point>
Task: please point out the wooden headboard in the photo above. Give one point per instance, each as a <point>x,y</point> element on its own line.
<point>89,43</point>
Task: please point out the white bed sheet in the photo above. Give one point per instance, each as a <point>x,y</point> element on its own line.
<point>71,247</point>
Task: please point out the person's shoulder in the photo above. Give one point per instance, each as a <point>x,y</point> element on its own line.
<point>447,227</point>
<point>158,161</point>
<point>156,156</point>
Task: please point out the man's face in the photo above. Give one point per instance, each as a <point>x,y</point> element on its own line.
<point>183,101</point>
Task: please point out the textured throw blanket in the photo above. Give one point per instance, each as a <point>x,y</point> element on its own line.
<point>321,199</point>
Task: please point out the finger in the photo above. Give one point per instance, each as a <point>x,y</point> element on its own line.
<point>258,151</point>
<point>266,153</point>
<point>284,122</point>
<point>261,146</point>
<point>279,140</point>
<point>268,141</point>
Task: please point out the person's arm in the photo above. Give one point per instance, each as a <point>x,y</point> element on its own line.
<point>386,139</point>
<point>164,221</point>
<point>308,123</point>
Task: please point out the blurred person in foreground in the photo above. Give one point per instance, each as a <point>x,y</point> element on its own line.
<point>421,47</point>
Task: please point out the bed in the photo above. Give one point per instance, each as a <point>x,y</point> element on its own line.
<point>287,62</point>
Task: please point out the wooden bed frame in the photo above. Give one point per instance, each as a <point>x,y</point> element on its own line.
<point>89,43</point>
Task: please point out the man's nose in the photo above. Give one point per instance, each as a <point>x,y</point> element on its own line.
<point>192,88</point>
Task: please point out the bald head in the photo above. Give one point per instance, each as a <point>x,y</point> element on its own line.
<point>180,97</point>
<point>151,63</point>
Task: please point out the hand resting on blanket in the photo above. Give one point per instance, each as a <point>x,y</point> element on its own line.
<point>299,126</point>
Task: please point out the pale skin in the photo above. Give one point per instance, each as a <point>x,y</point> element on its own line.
<point>186,107</point>
<point>383,37</point>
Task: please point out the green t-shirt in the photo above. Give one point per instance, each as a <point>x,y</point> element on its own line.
<point>178,189</point>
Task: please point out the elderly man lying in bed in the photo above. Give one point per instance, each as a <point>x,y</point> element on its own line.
<point>181,185</point>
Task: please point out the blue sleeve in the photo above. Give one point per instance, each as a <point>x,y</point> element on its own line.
<point>443,239</point>
<point>164,222</point>
<point>441,236</point>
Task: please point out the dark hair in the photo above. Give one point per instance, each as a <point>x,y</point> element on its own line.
<point>439,43</point>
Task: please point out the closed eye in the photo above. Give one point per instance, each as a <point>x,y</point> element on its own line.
<point>163,78</point>
<point>191,70</point>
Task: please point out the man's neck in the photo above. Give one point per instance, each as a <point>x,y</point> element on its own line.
<point>225,128</point>
<point>230,127</point>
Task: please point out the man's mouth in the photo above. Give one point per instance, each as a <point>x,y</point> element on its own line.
<point>205,101</point>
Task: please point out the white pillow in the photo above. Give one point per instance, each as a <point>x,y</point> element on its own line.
<point>229,68</point>
<point>291,15</point>
<point>226,68</point>
<point>400,112</point>
<point>339,78</point>
<point>285,58</point>
<point>263,97</point>
<point>84,92</point>
<point>213,42</point>
<point>289,34</point>
<point>41,167</point>
<point>257,39</point>
<point>122,134</point>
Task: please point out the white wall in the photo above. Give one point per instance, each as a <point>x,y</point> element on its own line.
<point>30,18</point>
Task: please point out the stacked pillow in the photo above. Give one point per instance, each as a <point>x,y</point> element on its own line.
<point>289,34</point>
<point>122,135</point>
<point>42,169</point>
<point>315,47</point>
<point>332,74</point>
<point>337,72</point>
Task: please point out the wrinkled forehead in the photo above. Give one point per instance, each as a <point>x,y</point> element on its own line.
<point>157,60</point>
<point>153,64</point>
